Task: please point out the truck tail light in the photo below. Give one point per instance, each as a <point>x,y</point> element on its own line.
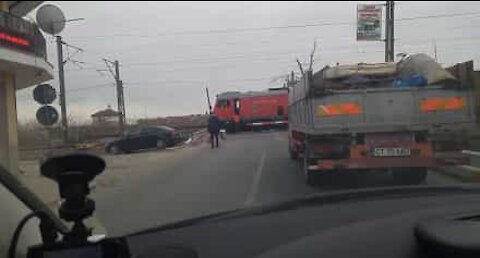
<point>442,104</point>
<point>339,109</point>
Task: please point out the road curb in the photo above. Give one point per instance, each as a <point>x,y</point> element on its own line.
<point>463,173</point>
<point>194,136</point>
<point>185,144</point>
<point>199,131</point>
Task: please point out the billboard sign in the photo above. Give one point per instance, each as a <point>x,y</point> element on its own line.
<point>369,22</point>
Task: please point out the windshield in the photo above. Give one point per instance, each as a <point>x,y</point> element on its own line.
<point>269,101</point>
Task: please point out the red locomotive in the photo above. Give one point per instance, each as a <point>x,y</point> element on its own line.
<point>252,110</point>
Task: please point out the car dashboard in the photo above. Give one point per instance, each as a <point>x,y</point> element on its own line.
<point>378,223</point>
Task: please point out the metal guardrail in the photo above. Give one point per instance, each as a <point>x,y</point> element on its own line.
<point>17,26</point>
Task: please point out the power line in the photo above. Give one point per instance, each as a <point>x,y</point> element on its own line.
<point>91,87</point>
<point>186,63</point>
<point>176,82</point>
<point>228,57</point>
<point>183,62</point>
<point>284,54</point>
<point>201,60</point>
<point>438,16</point>
<point>236,42</point>
<point>216,45</point>
<point>267,28</point>
<point>443,39</point>
<point>209,61</point>
<point>270,57</point>
<point>221,31</point>
<point>218,65</point>
<point>200,82</point>
<point>337,53</point>
<point>163,82</point>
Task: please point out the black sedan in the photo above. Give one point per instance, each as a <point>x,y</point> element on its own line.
<point>158,137</point>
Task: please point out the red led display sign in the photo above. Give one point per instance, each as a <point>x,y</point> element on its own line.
<point>15,41</point>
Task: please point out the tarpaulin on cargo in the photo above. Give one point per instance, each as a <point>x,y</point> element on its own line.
<point>418,70</point>
<point>354,76</point>
<point>428,67</point>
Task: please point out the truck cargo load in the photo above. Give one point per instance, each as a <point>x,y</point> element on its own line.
<point>355,117</point>
<point>384,75</point>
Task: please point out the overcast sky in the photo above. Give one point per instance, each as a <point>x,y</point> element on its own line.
<point>169,51</point>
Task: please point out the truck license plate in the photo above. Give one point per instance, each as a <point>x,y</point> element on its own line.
<point>391,152</point>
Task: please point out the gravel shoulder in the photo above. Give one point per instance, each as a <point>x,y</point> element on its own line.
<point>121,170</point>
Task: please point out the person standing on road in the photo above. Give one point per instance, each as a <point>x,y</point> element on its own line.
<point>214,126</point>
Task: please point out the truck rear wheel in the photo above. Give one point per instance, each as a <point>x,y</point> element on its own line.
<point>409,175</point>
<point>293,154</point>
<point>310,175</point>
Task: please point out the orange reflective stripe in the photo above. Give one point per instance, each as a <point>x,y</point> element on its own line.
<point>339,109</point>
<point>431,104</point>
<point>439,104</point>
<point>455,103</point>
<point>333,110</point>
<point>328,110</point>
<point>352,108</point>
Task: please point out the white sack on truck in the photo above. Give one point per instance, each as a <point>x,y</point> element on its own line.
<point>343,71</point>
<point>421,64</point>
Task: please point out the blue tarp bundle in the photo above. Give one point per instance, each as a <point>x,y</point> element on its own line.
<point>416,80</point>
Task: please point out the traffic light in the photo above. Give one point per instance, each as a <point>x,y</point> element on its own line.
<point>45,94</point>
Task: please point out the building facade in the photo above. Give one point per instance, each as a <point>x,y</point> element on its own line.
<point>23,63</point>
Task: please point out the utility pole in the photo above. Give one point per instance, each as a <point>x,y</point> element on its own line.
<point>120,96</point>
<point>121,99</point>
<point>389,32</point>
<point>208,100</point>
<point>61,78</point>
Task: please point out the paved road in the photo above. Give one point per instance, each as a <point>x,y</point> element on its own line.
<point>248,169</point>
